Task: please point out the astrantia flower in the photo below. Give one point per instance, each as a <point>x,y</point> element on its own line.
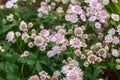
<point>10,36</point>
<point>92,58</point>
<point>50,53</point>
<point>9,4</point>
<point>43,75</point>
<point>23,26</point>
<point>59,38</point>
<point>78,31</point>
<point>56,50</point>
<point>63,47</point>
<point>109,38</point>
<point>71,17</point>
<point>44,9</point>
<point>75,42</point>
<point>25,54</point>
<point>102,53</point>
<point>115,17</point>
<point>72,71</point>
<point>92,18</point>
<point>25,36</point>
<point>111,31</point>
<point>97,25</point>
<point>103,14</point>
<point>93,3</point>
<point>35,77</point>
<point>30,45</point>
<point>38,41</point>
<point>77,52</point>
<point>76,9</point>
<point>115,52</point>
<point>72,75</point>
<point>44,32</point>
<point>116,40</point>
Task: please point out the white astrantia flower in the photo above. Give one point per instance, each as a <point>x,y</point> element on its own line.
<point>115,17</point>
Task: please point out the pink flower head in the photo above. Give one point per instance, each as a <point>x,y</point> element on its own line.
<point>92,58</point>
<point>93,3</point>
<point>77,52</point>
<point>52,38</point>
<point>71,17</point>
<point>10,36</point>
<point>43,77</point>
<point>23,26</point>
<point>35,77</point>
<point>75,42</point>
<point>9,4</point>
<point>38,41</point>
<point>103,14</point>
<point>72,75</point>
<point>56,50</point>
<point>44,33</point>
<point>59,38</point>
<point>76,9</point>
<point>50,53</point>
<point>97,25</point>
<point>102,52</point>
<point>92,18</point>
<point>44,9</point>
<point>115,52</point>
<point>78,31</point>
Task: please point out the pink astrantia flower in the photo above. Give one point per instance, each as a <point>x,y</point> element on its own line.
<point>56,50</point>
<point>92,18</point>
<point>23,26</point>
<point>9,4</point>
<point>116,40</point>
<point>44,9</point>
<point>111,31</point>
<point>78,31</point>
<point>59,38</point>
<point>10,36</point>
<point>77,52</point>
<point>102,52</point>
<point>50,53</point>
<point>43,77</point>
<point>44,32</point>
<point>92,58</point>
<point>103,14</point>
<point>75,42</point>
<point>76,9</point>
<point>38,41</point>
<point>35,77</point>
<point>71,17</point>
<point>115,52</point>
<point>93,3</point>
<point>98,25</point>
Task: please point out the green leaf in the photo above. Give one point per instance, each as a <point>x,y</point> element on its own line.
<point>38,66</point>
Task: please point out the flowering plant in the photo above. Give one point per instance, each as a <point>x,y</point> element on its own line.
<point>59,39</point>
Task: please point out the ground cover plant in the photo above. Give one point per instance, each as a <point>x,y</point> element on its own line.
<point>59,39</point>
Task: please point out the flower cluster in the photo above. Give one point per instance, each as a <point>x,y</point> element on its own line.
<point>72,70</point>
<point>85,32</point>
<point>10,3</point>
